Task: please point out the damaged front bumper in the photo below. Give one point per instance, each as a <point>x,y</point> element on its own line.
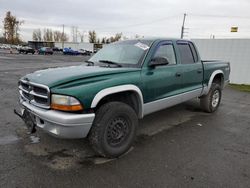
<point>56,123</point>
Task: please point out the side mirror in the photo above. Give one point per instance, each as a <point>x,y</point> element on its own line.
<point>158,61</point>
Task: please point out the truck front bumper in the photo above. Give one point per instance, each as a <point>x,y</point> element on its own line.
<point>59,124</point>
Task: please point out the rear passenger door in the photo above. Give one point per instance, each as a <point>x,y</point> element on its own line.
<point>192,68</point>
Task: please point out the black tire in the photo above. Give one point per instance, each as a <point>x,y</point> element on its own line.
<point>113,130</point>
<point>210,103</point>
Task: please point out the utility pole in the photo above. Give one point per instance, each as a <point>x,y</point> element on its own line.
<point>63,38</point>
<point>183,26</point>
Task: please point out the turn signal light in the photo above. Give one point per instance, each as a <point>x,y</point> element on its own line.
<point>66,107</point>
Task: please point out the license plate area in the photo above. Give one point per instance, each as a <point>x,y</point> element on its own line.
<point>30,120</point>
<point>28,117</point>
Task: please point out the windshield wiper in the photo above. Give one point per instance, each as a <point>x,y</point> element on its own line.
<point>110,62</point>
<point>90,63</point>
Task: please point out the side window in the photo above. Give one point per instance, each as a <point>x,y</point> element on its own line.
<point>194,52</point>
<point>166,51</point>
<point>185,53</point>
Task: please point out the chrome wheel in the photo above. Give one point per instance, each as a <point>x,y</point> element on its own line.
<point>215,98</point>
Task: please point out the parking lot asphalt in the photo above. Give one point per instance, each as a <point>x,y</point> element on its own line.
<point>177,147</point>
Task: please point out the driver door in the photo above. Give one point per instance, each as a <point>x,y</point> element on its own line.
<point>162,82</point>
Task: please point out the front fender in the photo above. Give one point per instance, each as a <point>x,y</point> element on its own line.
<point>117,89</point>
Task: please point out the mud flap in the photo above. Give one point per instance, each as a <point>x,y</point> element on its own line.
<point>28,118</point>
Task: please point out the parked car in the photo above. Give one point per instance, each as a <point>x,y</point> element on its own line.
<point>15,47</point>
<point>5,46</point>
<point>45,51</point>
<point>121,83</point>
<point>70,51</point>
<point>56,49</point>
<point>26,50</point>
<point>84,52</point>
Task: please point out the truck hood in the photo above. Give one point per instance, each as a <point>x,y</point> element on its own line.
<point>55,76</point>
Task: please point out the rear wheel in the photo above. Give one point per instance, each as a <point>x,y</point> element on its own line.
<point>114,129</point>
<point>211,101</point>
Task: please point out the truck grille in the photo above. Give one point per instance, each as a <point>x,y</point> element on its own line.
<point>36,94</point>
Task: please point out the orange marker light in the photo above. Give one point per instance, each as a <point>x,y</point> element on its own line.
<point>66,107</point>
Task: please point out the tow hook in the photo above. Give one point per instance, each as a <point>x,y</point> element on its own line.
<point>29,121</point>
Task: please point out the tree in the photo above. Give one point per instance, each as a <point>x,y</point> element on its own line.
<point>107,41</point>
<point>59,36</point>
<point>103,40</point>
<point>92,36</point>
<point>117,37</point>
<point>137,36</point>
<point>74,33</point>
<point>11,28</point>
<point>47,35</point>
<point>81,34</point>
<point>64,37</point>
<point>37,35</point>
<point>112,39</point>
<point>2,40</point>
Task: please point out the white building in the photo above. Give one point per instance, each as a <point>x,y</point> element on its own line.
<point>236,51</point>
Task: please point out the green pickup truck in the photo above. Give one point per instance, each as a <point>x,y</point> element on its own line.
<point>125,81</point>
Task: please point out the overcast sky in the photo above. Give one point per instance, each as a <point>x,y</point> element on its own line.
<point>143,17</point>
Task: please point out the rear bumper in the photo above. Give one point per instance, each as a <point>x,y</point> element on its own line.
<point>60,124</point>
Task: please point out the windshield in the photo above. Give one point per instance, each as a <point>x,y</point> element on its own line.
<point>128,52</point>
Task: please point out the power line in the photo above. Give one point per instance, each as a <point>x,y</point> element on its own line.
<point>109,27</point>
<point>218,16</point>
<point>85,26</point>
<point>138,24</point>
<point>141,23</point>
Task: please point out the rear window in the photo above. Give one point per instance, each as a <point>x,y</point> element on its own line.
<point>194,52</point>
<point>185,53</point>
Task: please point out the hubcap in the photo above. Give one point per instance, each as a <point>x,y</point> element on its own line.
<point>215,98</point>
<point>117,131</point>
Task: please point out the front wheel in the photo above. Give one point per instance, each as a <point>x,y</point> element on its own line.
<point>211,101</point>
<point>114,129</point>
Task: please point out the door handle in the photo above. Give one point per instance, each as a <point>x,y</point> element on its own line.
<point>199,71</point>
<point>178,74</point>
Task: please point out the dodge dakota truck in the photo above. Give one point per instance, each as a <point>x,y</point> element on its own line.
<point>104,98</point>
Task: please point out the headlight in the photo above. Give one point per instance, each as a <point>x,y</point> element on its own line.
<point>65,103</point>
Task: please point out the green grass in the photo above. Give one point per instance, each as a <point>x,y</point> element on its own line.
<point>241,87</point>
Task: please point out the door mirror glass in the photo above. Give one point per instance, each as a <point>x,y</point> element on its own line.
<point>158,61</point>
